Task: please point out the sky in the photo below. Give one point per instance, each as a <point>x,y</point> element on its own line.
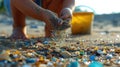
<point>101,6</point>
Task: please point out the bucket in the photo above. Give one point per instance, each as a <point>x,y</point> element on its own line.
<point>82,22</point>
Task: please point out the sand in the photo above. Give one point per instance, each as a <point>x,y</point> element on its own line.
<point>108,36</point>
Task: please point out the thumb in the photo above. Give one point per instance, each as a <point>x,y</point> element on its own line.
<point>65,16</point>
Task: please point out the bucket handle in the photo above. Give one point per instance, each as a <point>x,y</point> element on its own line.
<point>87,7</point>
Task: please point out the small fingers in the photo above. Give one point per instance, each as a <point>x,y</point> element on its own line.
<point>66,17</point>
<point>60,22</point>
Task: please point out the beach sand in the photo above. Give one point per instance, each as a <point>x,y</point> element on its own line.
<point>106,36</point>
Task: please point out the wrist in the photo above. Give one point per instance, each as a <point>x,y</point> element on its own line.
<point>68,9</point>
<point>44,15</point>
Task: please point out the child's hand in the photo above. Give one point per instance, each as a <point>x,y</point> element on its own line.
<point>52,18</point>
<point>66,14</point>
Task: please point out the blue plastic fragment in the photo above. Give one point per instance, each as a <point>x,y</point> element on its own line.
<point>99,51</point>
<point>34,26</point>
<point>30,60</point>
<point>46,42</point>
<point>28,43</point>
<point>54,59</point>
<point>69,65</point>
<point>92,58</point>
<point>95,64</point>
<point>3,61</point>
<point>74,64</point>
<point>109,56</point>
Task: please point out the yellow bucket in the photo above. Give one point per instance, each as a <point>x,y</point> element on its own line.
<point>82,22</point>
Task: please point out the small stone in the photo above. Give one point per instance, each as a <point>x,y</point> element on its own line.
<point>109,56</point>
<point>78,43</point>
<point>77,53</point>
<point>61,59</point>
<point>117,50</point>
<point>41,59</point>
<point>54,59</point>
<point>26,65</point>
<point>43,65</point>
<point>5,56</point>
<point>50,64</point>
<point>66,54</point>
<point>29,54</point>
<point>13,56</point>
<point>39,44</point>
<point>107,62</point>
<point>87,62</point>
<point>57,49</point>
<point>60,64</point>
<point>117,62</point>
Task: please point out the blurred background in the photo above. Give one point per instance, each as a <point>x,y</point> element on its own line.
<point>101,6</point>
<point>1,6</point>
<point>106,15</point>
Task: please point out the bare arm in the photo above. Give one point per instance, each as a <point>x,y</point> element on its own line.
<point>69,4</point>
<point>68,8</point>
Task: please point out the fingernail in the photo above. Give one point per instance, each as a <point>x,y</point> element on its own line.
<point>60,22</point>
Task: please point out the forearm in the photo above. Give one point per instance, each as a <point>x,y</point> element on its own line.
<point>69,4</point>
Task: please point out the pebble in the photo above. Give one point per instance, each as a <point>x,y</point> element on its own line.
<point>117,62</point>
<point>42,65</point>
<point>66,54</point>
<point>5,56</point>
<point>27,65</point>
<point>87,62</point>
<point>38,52</point>
<point>54,59</point>
<point>107,62</point>
<point>41,59</point>
<point>57,49</point>
<point>50,64</point>
<point>109,56</point>
<point>60,64</point>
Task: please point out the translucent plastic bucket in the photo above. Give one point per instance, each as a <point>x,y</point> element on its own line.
<point>82,22</point>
